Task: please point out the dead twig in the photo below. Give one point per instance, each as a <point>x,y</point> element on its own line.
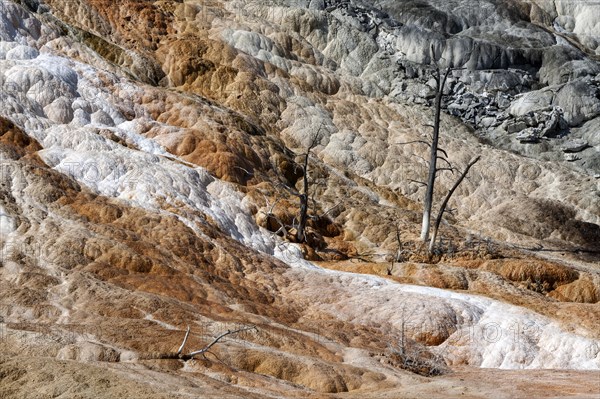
<point>188,356</point>
<point>216,340</point>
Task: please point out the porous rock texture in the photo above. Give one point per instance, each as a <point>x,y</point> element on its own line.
<point>144,151</point>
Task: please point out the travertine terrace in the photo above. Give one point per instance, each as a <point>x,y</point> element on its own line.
<point>148,148</point>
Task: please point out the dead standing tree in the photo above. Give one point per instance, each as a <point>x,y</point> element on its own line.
<point>434,156</point>
<point>296,229</point>
<point>304,195</point>
<point>300,222</point>
<point>434,153</point>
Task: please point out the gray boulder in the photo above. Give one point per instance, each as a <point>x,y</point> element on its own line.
<point>578,99</point>
<point>576,145</point>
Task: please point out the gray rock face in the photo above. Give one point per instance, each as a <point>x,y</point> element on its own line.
<point>516,127</point>
<point>580,99</point>
<point>465,34</point>
<point>576,145</point>
<point>527,136</point>
<point>561,64</point>
<point>527,71</point>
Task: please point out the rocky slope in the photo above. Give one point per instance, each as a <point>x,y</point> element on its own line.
<point>145,152</point>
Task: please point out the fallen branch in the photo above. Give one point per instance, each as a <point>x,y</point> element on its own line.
<point>216,340</point>
<point>187,334</point>
<point>188,356</point>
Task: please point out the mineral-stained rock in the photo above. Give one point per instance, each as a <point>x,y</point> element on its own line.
<point>149,151</point>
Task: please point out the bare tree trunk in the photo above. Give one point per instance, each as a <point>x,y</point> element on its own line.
<point>427,204</point>
<point>438,220</point>
<point>303,202</point>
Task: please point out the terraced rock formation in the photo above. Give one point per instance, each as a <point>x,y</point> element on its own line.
<point>148,157</point>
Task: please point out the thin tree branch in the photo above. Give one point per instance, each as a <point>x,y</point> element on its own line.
<point>244,170</point>
<point>304,196</point>
<point>290,190</point>
<point>421,183</point>
<point>445,203</point>
<point>331,209</point>
<point>428,201</point>
<point>187,334</point>
<point>443,152</point>
<point>216,340</point>
<point>279,221</point>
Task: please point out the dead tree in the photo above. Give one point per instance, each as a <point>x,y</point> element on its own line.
<point>304,195</point>
<point>434,153</point>
<point>434,156</point>
<point>440,214</point>
<point>399,255</point>
<point>414,356</point>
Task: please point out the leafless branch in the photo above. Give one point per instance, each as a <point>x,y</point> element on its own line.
<point>187,334</point>
<point>216,340</point>
<point>290,190</point>
<point>188,356</point>
<point>282,227</point>
<point>314,204</point>
<point>445,202</point>
<point>436,74</point>
<point>399,251</point>
<point>271,207</point>
<point>420,183</point>
<point>451,170</point>
<point>244,170</point>
<point>331,208</point>
<point>304,195</point>
<point>271,214</point>
<point>443,152</point>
